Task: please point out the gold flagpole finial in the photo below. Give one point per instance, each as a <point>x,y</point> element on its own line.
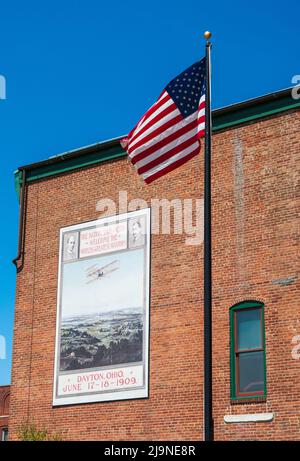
<point>207,35</point>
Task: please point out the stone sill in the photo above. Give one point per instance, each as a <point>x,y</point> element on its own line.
<point>249,418</point>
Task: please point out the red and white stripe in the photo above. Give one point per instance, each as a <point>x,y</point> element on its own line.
<point>163,139</point>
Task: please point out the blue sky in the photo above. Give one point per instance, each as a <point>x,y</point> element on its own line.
<point>78,72</point>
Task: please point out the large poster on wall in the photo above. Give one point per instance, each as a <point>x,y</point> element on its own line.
<point>102,331</point>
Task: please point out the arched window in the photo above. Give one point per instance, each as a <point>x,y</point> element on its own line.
<point>247,350</point>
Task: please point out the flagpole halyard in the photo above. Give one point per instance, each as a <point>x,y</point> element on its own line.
<point>207,263</point>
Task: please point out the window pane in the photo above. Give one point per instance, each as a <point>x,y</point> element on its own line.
<point>251,372</point>
<point>4,435</point>
<point>249,329</point>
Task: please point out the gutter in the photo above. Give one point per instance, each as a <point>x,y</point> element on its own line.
<point>254,101</point>
<point>72,154</point>
<point>222,119</point>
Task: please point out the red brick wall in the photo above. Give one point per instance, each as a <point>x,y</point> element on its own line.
<point>4,408</point>
<point>255,240</point>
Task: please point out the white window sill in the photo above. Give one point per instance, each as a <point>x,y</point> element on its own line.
<point>249,418</point>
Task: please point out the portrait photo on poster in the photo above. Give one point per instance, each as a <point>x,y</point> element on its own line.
<point>137,232</point>
<point>102,330</point>
<point>70,246</point>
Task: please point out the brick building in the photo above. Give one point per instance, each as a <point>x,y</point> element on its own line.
<point>4,412</point>
<point>256,368</point>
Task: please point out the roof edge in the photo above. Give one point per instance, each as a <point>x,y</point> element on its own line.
<point>224,118</point>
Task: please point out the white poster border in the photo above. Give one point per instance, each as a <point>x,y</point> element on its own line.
<point>113,395</point>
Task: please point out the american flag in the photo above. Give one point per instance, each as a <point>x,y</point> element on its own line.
<point>169,133</point>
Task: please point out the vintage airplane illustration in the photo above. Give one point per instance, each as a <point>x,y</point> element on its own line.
<point>95,272</point>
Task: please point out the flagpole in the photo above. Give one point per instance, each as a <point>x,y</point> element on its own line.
<point>208,418</point>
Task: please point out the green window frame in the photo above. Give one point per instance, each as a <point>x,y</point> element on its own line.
<point>238,353</point>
